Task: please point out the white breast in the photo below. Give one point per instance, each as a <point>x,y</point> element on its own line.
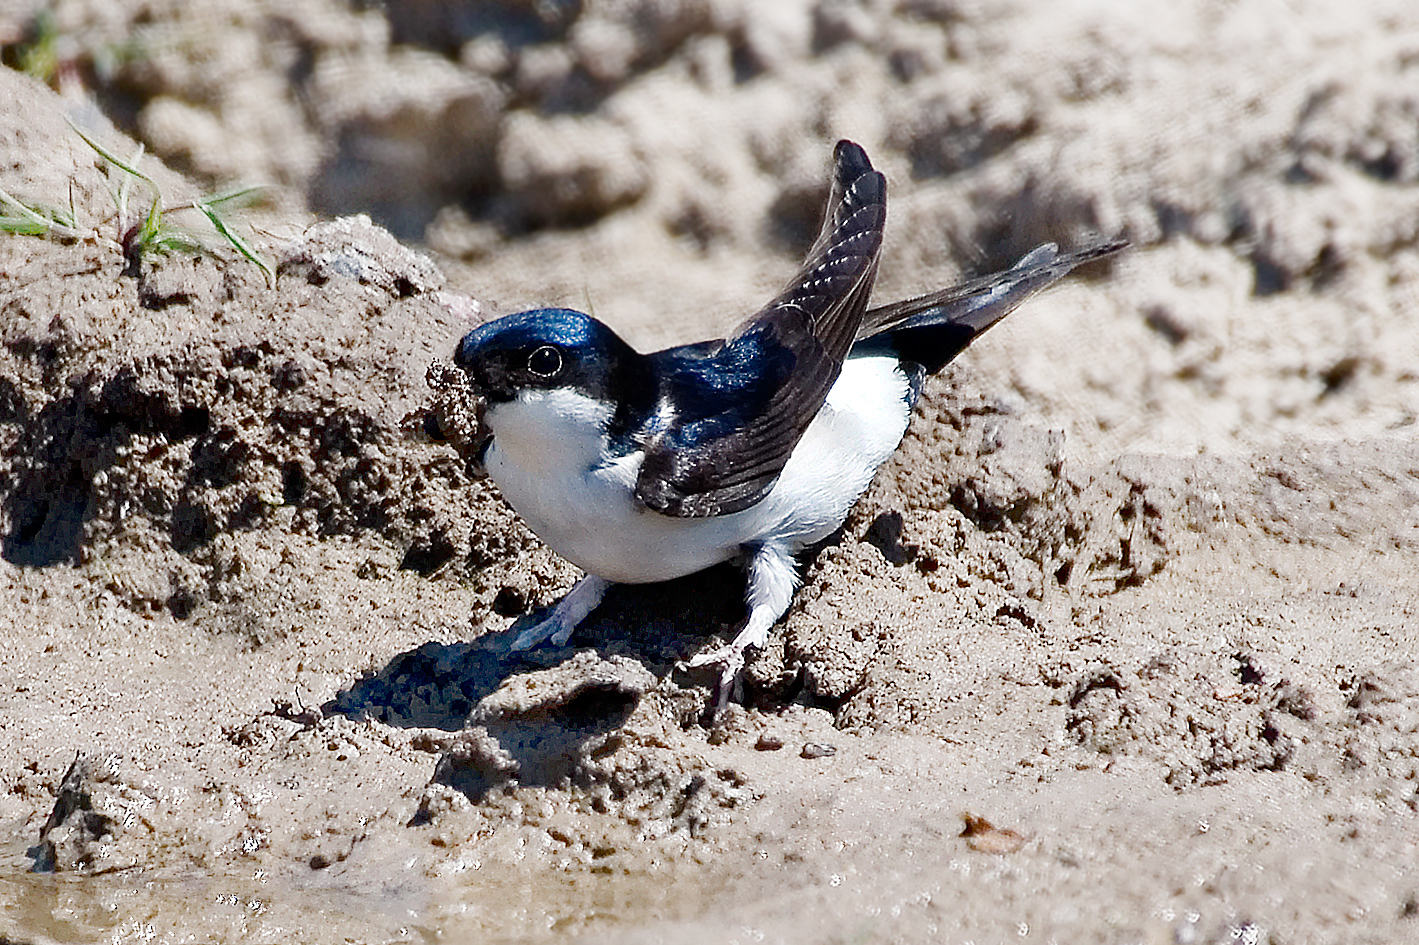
<point>548,458</point>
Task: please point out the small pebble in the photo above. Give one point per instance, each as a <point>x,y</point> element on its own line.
<point>768,743</point>
<point>818,750</point>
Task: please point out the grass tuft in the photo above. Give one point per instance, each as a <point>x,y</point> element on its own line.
<point>141,232</point>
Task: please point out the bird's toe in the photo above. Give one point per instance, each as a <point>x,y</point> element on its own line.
<point>537,633</point>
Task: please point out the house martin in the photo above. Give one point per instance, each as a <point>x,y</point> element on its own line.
<point>646,467</point>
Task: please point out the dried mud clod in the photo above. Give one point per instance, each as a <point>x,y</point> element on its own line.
<point>354,247</point>
<point>99,822</point>
<point>190,446</point>
<point>546,728</point>
<point>178,439</point>
<point>1092,530</point>
<point>1199,716</point>
<point>1382,721</point>
<point>595,730</point>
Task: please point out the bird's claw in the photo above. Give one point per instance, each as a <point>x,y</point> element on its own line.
<point>565,616</point>
<point>731,675</point>
<point>533,635</point>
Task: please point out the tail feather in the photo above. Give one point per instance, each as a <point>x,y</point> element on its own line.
<point>932,329</point>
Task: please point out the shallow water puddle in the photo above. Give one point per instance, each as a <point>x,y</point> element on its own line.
<point>476,906</point>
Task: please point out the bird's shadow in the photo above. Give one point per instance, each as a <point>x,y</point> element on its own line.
<point>437,685</point>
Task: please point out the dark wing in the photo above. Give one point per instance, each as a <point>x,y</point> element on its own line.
<point>932,329</point>
<point>734,412</point>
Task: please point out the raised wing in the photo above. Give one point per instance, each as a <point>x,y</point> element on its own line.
<point>732,412</point>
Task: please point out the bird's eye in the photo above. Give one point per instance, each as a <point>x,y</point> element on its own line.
<point>546,361</point>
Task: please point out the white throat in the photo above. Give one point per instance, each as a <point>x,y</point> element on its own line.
<point>549,459</point>
<point>548,434</point>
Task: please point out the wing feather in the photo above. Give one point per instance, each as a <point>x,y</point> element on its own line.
<point>742,406</point>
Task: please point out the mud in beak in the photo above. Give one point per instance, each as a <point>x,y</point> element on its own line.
<point>455,415</point>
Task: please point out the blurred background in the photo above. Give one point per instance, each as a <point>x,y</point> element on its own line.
<point>663,163</point>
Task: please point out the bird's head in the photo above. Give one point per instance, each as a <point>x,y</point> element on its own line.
<point>538,350</point>
<point>556,357</point>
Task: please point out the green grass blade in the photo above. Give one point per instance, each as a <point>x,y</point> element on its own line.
<point>26,221</point>
<point>23,226</point>
<point>113,159</point>
<point>241,245</point>
<point>24,211</point>
<point>172,240</point>
<point>240,197</point>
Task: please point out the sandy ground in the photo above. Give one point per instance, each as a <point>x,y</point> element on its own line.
<point>1138,591</point>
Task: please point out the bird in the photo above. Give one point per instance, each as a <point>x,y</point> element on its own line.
<point>644,467</point>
